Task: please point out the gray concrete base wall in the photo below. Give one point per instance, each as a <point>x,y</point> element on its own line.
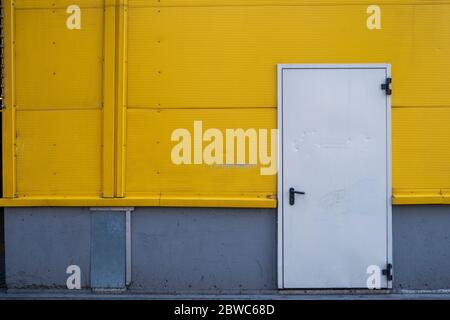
<point>202,249</point>
<point>421,240</point>
<point>41,243</point>
<point>195,250</point>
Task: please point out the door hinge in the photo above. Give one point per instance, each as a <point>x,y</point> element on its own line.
<point>388,272</point>
<point>387,86</point>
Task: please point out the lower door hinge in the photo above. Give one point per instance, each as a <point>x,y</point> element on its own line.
<point>387,86</point>
<point>388,272</point>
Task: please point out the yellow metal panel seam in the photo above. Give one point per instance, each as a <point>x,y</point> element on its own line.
<point>217,202</point>
<point>9,114</point>
<point>109,98</point>
<point>121,98</point>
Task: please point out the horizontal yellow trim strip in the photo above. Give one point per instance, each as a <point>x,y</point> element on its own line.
<point>211,202</point>
<point>410,197</point>
<point>78,202</point>
<point>218,202</point>
<point>404,197</point>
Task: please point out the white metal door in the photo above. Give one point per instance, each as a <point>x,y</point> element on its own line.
<point>335,147</point>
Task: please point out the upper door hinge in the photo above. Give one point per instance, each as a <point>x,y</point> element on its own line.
<point>388,272</point>
<point>387,86</point>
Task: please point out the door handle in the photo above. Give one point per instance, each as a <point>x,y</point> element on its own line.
<point>292,194</point>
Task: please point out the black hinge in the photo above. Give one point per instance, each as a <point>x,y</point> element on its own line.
<point>387,86</point>
<point>388,272</point>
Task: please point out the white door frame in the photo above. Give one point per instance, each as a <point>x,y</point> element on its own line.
<point>282,199</point>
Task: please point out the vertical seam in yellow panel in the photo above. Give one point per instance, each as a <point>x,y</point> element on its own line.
<point>109,98</point>
<point>121,97</point>
<point>9,114</point>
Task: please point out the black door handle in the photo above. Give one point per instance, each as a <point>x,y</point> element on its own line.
<point>292,194</point>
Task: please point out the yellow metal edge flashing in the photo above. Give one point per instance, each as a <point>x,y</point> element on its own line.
<point>78,202</point>
<point>217,202</point>
<point>403,197</point>
<point>156,201</point>
<point>414,197</point>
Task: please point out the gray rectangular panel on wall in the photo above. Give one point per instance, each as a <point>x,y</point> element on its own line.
<point>108,250</point>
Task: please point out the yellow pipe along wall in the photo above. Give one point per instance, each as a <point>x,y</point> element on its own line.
<point>89,112</point>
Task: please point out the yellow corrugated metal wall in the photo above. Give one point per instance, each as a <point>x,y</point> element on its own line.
<point>93,109</point>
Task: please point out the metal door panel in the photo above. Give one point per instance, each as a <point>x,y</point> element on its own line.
<point>335,147</point>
